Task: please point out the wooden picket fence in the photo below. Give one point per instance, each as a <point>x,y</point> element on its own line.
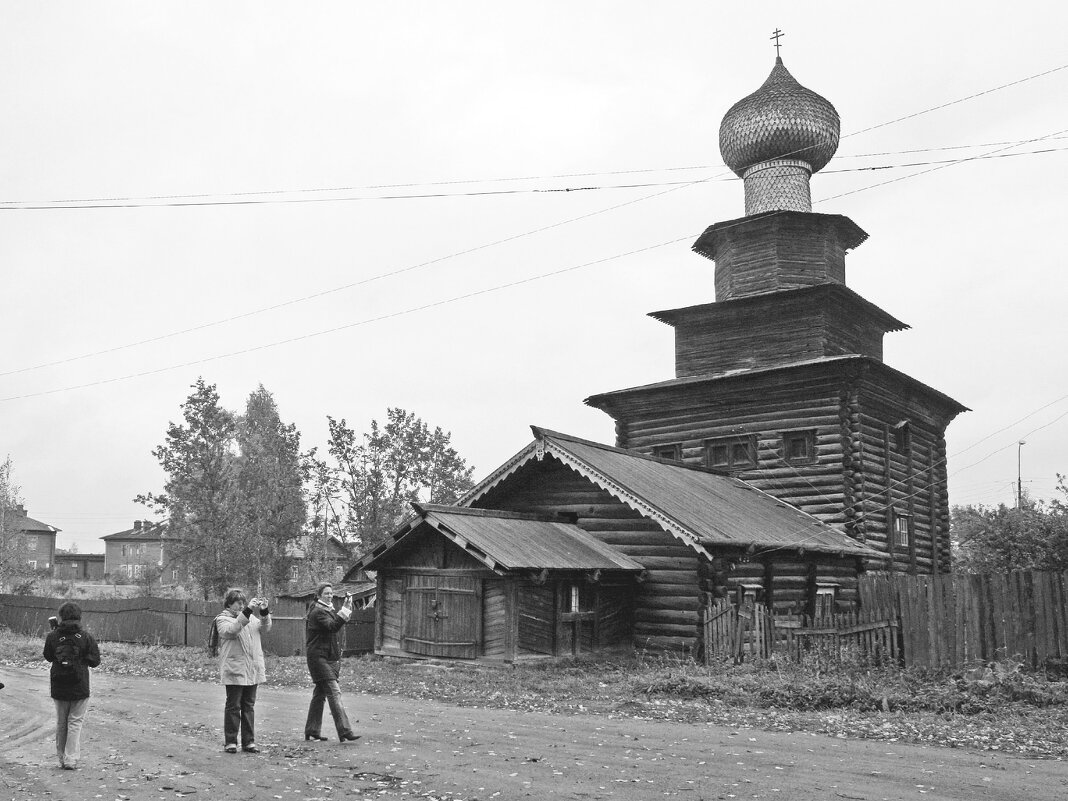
<point>953,620</point>
<point>737,634</point>
<point>169,621</point>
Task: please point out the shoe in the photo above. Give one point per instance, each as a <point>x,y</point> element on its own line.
<point>231,748</point>
<point>319,737</point>
<point>250,748</point>
<point>69,766</point>
<point>349,737</point>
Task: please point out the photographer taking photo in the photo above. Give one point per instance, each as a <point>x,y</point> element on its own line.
<point>324,664</point>
<point>72,651</point>
<point>241,665</point>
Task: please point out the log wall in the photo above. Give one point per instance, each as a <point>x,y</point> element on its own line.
<point>666,604</point>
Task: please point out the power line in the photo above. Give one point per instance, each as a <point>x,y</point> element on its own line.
<point>146,202</point>
<point>306,298</point>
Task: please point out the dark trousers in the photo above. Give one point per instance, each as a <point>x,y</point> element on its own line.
<point>240,714</point>
<point>327,691</point>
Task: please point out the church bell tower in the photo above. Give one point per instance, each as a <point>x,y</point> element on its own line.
<point>781,381</point>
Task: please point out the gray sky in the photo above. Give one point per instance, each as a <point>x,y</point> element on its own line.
<point>266,101</point>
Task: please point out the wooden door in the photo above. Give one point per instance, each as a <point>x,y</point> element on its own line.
<point>442,615</point>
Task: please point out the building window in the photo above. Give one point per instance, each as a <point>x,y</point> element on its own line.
<point>799,447</point>
<point>33,564</point>
<point>731,453</point>
<point>174,574</point>
<point>826,595</point>
<point>574,598</point>
<point>901,530</point>
<point>672,452</point>
<point>750,594</point>
<point>31,543</point>
<point>902,436</point>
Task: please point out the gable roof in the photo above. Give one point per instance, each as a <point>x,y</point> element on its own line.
<point>147,532</point>
<point>20,521</point>
<point>699,506</point>
<point>507,541</point>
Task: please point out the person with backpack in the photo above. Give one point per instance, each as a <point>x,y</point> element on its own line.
<point>241,665</point>
<point>323,653</point>
<point>72,651</point>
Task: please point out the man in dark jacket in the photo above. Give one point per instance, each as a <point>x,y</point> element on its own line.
<point>324,663</point>
<point>72,651</point>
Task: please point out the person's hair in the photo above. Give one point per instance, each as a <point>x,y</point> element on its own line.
<point>321,587</point>
<point>234,594</point>
<point>70,611</point>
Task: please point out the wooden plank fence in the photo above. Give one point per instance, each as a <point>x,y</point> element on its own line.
<point>169,621</point>
<point>736,634</point>
<point>956,620</point>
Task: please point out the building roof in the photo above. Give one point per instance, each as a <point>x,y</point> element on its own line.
<point>509,541</point>
<point>69,556</point>
<point>600,400</point>
<point>17,518</point>
<point>700,507</point>
<point>146,531</point>
<point>839,292</point>
<point>298,548</point>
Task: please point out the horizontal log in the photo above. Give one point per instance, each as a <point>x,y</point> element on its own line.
<point>676,549</point>
<point>675,616</point>
<point>672,576</point>
<point>654,642</point>
<point>690,603</point>
<point>657,539</point>
<point>666,563</point>
<point>670,629</point>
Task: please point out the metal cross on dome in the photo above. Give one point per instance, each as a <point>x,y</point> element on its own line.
<point>777,36</point>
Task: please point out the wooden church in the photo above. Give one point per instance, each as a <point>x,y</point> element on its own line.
<point>782,461</point>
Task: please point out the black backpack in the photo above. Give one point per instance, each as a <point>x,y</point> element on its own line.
<point>68,656</point>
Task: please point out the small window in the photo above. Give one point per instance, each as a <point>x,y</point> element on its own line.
<point>574,598</point>
<point>672,452</point>
<point>31,543</point>
<point>903,436</point>
<point>799,447</point>
<point>901,530</point>
<point>750,594</point>
<point>174,574</point>
<point>826,595</point>
<point>731,453</point>
<point>33,564</point>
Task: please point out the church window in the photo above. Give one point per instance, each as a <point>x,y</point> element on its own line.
<point>902,436</point>
<point>672,452</point>
<point>901,530</point>
<point>731,453</point>
<point>799,447</point>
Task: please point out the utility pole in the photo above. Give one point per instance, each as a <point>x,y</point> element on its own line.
<point>1019,479</point>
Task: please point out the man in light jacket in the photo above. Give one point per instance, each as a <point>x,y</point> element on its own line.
<point>241,665</point>
<point>324,663</point>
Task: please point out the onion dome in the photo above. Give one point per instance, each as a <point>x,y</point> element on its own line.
<point>780,120</point>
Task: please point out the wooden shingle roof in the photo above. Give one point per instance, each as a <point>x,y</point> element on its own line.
<point>698,506</point>
<point>508,541</point>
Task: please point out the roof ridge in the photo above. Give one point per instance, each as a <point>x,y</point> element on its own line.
<point>444,508</point>
<point>698,468</point>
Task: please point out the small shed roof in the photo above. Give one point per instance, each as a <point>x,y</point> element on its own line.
<point>509,541</point>
<point>700,507</point>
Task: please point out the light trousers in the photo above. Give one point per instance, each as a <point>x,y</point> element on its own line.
<point>70,717</point>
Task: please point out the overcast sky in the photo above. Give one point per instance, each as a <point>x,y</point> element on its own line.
<point>256,151</point>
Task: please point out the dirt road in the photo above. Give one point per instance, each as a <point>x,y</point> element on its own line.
<point>151,739</point>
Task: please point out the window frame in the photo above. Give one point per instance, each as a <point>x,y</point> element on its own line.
<point>902,537</point>
<point>809,436</point>
<point>730,442</point>
<point>675,449</point>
